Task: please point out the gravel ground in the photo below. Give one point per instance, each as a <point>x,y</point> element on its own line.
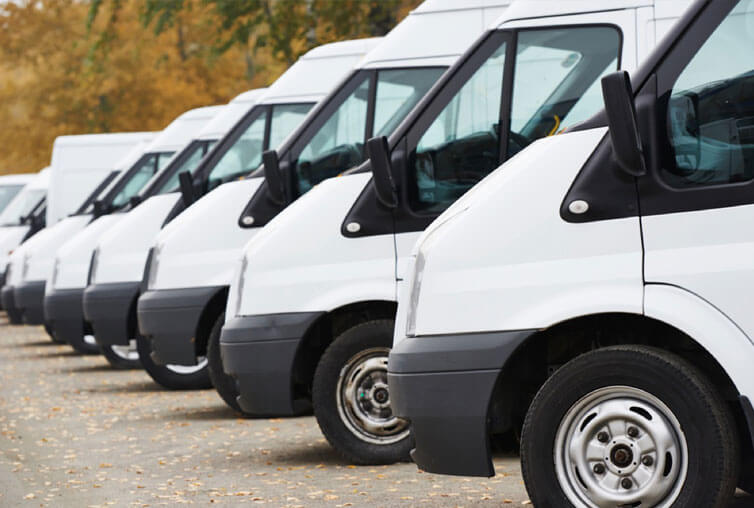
<point>74,432</point>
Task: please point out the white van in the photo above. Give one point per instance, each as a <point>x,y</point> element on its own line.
<point>193,260</point>
<point>119,260</point>
<point>80,165</point>
<point>311,311</point>
<point>76,257</point>
<point>594,293</point>
<point>22,218</point>
<point>10,186</point>
<point>69,244</point>
<point>28,192</point>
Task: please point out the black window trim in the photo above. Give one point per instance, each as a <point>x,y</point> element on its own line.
<point>609,192</point>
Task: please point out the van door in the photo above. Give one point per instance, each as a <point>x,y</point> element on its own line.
<point>518,86</point>
<point>697,202</point>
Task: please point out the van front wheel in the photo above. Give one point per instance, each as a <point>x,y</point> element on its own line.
<point>173,377</point>
<point>351,398</point>
<point>629,426</point>
<point>223,383</point>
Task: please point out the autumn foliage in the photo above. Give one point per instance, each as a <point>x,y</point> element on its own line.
<point>72,66</point>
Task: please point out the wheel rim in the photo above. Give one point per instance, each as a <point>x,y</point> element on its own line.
<point>620,446</point>
<point>128,352</point>
<point>364,400</point>
<point>185,370</point>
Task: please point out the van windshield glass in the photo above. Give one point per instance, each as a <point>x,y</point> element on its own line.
<point>556,80</point>
<point>244,154</point>
<point>137,177</point>
<point>21,206</point>
<point>7,193</point>
<point>339,144</point>
<point>555,84</point>
<point>187,160</point>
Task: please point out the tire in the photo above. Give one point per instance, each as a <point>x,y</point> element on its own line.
<point>121,358</point>
<point>51,334</point>
<point>80,345</point>
<point>172,377</point>
<point>223,383</point>
<point>357,352</point>
<point>644,393</point>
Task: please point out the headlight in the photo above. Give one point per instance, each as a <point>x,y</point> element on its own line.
<point>152,264</point>
<point>239,285</point>
<point>55,268</point>
<point>25,266</point>
<point>92,267</point>
<point>419,265</point>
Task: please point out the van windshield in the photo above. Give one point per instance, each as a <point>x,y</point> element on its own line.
<point>7,193</point>
<point>21,206</point>
<point>187,160</point>
<point>264,128</point>
<point>338,144</point>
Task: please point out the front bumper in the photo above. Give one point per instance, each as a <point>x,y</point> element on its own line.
<point>259,352</point>
<point>63,313</point>
<point>169,318</point>
<point>2,284</point>
<point>107,307</point>
<point>9,304</point>
<point>30,299</point>
<point>443,385</point>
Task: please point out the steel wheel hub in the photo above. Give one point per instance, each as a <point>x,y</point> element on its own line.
<point>128,352</point>
<point>620,446</point>
<point>363,399</point>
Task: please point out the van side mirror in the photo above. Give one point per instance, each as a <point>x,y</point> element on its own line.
<point>621,119</point>
<point>382,171</point>
<point>134,201</point>
<point>186,184</point>
<point>99,208</point>
<point>273,176</point>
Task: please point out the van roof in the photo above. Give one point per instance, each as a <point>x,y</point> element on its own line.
<point>423,37</point>
<point>16,179</point>
<point>316,73</point>
<point>183,129</point>
<point>229,115</point>
<point>40,180</point>
<point>112,139</point>
<point>525,9</point>
<point>249,96</point>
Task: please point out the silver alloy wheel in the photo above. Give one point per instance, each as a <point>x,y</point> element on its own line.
<point>185,370</point>
<point>364,400</point>
<point>128,352</point>
<point>620,446</point>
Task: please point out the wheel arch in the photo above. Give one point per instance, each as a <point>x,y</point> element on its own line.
<point>215,306</point>
<point>543,352</point>
<point>324,330</point>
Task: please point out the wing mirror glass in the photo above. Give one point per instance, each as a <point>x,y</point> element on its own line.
<point>186,184</point>
<point>621,119</point>
<point>274,177</point>
<point>382,171</point>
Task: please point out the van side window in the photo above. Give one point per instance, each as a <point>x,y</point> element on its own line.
<point>339,144</point>
<point>710,109</point>
<point>245,155</point>
<point>285,118</point>
<point>556,81</point>
<point>139,177</point>
<point>463,142</point>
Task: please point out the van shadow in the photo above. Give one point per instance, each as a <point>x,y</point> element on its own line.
<point>132,386</point>
<point>87,369</point>
<point>218,412</point>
